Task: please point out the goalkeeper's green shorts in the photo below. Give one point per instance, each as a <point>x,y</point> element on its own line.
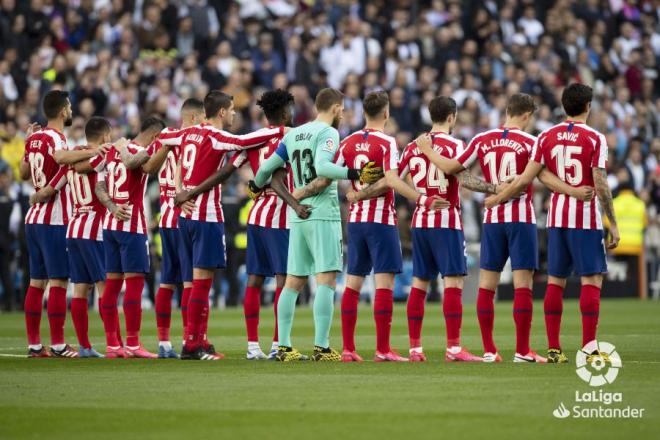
<point>315,246</point>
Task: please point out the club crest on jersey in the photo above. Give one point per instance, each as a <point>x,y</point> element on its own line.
<point>329,145</point>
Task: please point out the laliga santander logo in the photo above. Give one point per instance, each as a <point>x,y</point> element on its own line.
<point>598,363</point>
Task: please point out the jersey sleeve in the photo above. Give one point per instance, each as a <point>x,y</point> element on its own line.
<point>228,142</point>
<point>59,179</point>
<point>391,156</point>
<point>326,146</point>
<point>97,162</point>
<point>599,159</point>
<point>404,164</point>
<point>171,137</point>
<point>537,150</point>
<point>339,156</point>
<point>239,159</point>
<point>59,144</point>
<point>469,155</point>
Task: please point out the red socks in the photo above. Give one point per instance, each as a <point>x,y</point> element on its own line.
<point>251,306</point>
<point>553,306</point>
<point>109,313</point>
<point>56,314</point>
<point>33,307</point>
<point>198,307</point>
<point>133,310</point>
<point>80,321</point>
<point>590,308</point>
<point>415,312</point>
<point>452,308</point>
<point>522,316</point>
<point>383,304</point>
<point>486,316</point>
<point>349,304</point>
<point>164,313</point>
<point>278,292</point>
<point>185,297</point>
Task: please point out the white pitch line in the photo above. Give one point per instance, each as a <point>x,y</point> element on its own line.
<point>13,355</point>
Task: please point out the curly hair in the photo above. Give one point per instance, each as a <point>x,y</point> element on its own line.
<point>273,103</point>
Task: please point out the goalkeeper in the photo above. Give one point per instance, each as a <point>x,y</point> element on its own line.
<point>315,243</point>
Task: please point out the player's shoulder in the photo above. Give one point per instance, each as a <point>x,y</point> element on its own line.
<point>410,150</point>
<point>49,135</point>
<point>493,132</point>
<point>523,137</point>
<point>447,141</point>
<point>382,138</point>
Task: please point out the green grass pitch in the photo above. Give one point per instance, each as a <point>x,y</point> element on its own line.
<point>235,398</point>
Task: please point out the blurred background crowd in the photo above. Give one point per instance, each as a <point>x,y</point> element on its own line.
<point>125,59</point>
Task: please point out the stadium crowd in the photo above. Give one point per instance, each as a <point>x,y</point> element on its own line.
<point>125,60</point>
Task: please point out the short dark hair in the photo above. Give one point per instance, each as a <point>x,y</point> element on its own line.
<point>193,104</point>
<point>519,104</point>
<point>54,102</point>
<point>152,123</point>
<point>375,102</point>
<point>273,103</point>
<point>441,107</point>
<point>575,98</point>
<point>328,97</point>
<point>216,100</point>
<point>96,127</point>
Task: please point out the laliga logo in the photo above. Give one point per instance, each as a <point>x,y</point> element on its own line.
<point>598,363</point>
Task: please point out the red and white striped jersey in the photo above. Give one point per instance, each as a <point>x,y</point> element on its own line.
<point>169,212</point>
<point>39,150</point>
<point>125,187</point>
<point>570,151</point>
<point>429,180</point>
<point>203,150</point>
<point>503,153</point>
<point>355,151</point>
<point>86,222</point>
<point>269,210</point>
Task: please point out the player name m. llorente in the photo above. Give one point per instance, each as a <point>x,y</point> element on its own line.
<point>503,142</point>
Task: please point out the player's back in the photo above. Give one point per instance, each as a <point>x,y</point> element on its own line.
<point>125,186</point>
<point>570,150</point>
<point>503,153</point>
<point>301,145</point>
<point>88,211</point>
<point>40,148</point>
<point>355,151</point>
<point>169,212</point>
<point>269,210</point>
<point>430,181</point>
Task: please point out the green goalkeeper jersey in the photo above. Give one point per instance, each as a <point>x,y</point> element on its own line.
<point>310,149</point>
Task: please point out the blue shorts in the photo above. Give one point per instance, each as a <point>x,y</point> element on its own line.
<point>46,246</point>
<point>373,246</point>
<point>125,252</point>
<point>170,269</point>
<point>267,250</point>
<point>579,251</point>
<point>203,244</point>
<point>499,241</point>
<point>438,250</point>
<point>86,260</point>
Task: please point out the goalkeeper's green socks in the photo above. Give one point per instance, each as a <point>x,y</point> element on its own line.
<point>286,307</point>
<point>324,306</point>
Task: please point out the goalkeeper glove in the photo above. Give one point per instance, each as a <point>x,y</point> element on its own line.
<point>369,174</point>
<point>253,190</point>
